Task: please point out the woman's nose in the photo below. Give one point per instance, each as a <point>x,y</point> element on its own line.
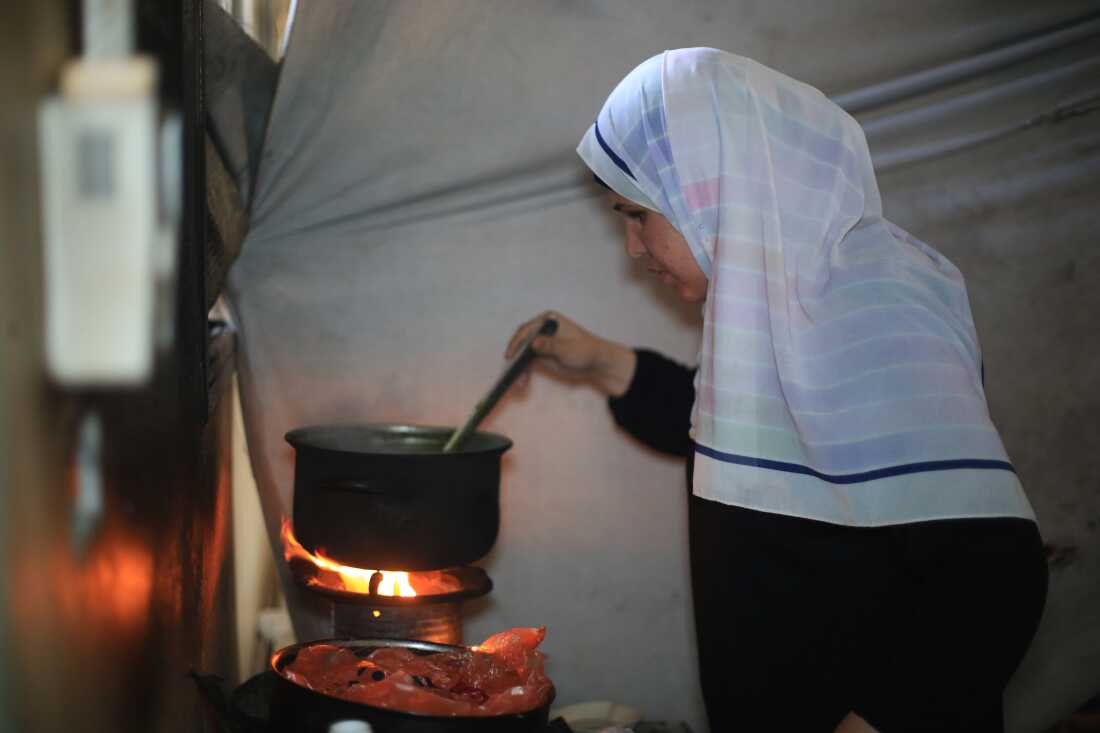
<point>633,243</point>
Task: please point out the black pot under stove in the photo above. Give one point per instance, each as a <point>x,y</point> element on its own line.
<point>386,496</point>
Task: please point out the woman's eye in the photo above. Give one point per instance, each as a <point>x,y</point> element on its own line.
<point>638,214</point>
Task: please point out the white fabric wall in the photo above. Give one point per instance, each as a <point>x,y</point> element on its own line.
<point>418,197</point>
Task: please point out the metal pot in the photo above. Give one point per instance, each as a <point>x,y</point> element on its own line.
<point>385,496</point>
<point>296,708</point>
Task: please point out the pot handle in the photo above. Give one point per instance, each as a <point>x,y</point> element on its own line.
<point>355,486</point>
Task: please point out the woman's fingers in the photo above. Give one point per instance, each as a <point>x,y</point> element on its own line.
<point>574,351</point>
<point>524,331</point>
<point>543,345</point>
<point>571,349</point>
<point>520,336</point>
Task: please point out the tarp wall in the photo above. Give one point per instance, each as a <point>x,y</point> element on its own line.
<point>418,197</point>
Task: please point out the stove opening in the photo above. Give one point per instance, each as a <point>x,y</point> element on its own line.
<point>387,604</point>
<point>318,571</point>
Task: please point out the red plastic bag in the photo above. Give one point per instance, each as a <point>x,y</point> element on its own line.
<point>502,675</point>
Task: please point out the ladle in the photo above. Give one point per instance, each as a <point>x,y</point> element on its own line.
<point>526,353</point>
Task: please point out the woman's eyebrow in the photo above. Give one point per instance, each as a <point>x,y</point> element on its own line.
<point>625,208</point>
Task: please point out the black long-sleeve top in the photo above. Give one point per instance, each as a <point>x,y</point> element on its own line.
<point>656,407</point>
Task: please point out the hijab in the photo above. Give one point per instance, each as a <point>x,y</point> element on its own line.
<point>839,371</point>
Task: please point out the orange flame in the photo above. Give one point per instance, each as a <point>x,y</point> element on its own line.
<point>355,580</point>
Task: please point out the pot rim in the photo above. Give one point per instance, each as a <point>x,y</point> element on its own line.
<point>311,436</point>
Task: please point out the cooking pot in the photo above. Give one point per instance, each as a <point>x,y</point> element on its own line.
<point>299,709</point>
<point>386,496</point>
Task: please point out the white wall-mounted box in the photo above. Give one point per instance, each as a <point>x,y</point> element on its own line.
<point>99,151</point>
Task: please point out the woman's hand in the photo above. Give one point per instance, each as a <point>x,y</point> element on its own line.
<point>574,351</point>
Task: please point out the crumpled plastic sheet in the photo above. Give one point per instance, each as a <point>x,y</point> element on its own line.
<point>503,675</point>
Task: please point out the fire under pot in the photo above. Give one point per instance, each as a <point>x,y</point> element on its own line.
<point>384,604</point>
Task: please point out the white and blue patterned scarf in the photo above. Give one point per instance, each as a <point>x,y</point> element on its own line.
<point>840,373</point>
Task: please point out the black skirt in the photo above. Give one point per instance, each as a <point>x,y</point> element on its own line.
<point>915,627</point>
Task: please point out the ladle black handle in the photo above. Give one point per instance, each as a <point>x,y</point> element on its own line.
<point>526,353</point>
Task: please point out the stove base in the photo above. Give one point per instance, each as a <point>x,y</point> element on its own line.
<point>437,622</point>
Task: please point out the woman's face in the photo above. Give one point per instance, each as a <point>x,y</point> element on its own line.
<point>667,255</point>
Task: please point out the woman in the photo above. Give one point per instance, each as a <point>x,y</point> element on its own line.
<point>861,547</point>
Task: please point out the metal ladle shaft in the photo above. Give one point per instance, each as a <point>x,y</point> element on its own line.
<point>547,328</point>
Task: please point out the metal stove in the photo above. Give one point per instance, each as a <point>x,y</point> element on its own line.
<point>435,617</point>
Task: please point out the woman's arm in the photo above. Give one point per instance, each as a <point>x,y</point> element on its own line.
<point>573,350</point>
<point>649,395</point>
<point>656,409</point>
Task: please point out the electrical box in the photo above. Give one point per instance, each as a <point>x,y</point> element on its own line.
<point>106,232</point>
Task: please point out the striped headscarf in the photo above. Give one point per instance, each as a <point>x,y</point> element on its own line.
<point>839,373</point>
